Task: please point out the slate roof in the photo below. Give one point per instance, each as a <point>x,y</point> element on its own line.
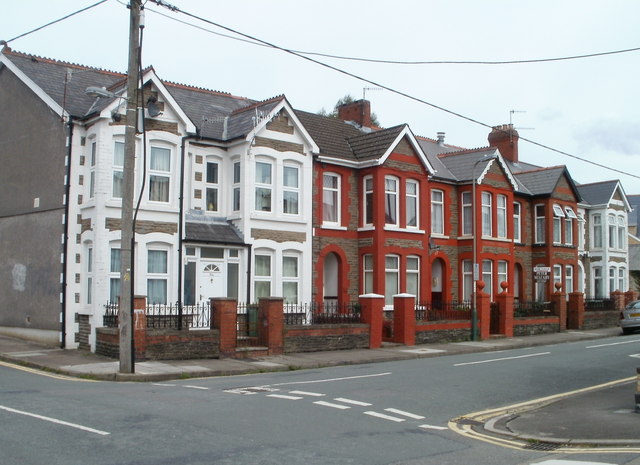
<point>634,218</point>
<point>461,164</point>
<point>541,181</point>
<point>598,193</point>
<point>218,233</point>
<point>373,145</point>
<point>330,134</point>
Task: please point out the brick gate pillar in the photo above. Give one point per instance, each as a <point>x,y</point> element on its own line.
<point>618,300</point>
<point>224,316</point>
<point>140,327</point>
<point>271,324</point>
<point>372,313</point>
<point>483,309</point>
<point>559,300</point>
<point>404,319</point>
<point>630,296</point>
<point>505,308</point>
<point>575,310</point>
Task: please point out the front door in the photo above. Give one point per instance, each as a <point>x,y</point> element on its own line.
<point>211,280</point>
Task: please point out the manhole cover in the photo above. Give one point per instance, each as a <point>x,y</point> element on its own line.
<point>541,446</point>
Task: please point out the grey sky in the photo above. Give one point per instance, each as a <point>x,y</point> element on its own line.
<point>587,107</point>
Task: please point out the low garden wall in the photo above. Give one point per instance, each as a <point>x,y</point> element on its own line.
<point>315,338</point>
<point>601,319</point>
<point>442,332</point>
<point>530,326</point>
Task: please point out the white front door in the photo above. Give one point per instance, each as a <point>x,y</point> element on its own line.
<point>211,280</point>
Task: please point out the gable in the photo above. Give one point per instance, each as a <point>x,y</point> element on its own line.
<point>403,157</point>
<point>564,190</point>
<point>495,176</point>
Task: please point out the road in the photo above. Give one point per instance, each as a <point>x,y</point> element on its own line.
<point>387,413</point>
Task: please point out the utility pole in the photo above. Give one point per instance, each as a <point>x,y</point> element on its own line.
<point>127,238</point>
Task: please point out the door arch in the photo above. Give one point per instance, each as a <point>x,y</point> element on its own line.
<point>437,281</point>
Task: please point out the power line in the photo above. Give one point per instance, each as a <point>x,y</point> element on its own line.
<point>402,62</point>
<point>56,21</point>
<point>390,89</point>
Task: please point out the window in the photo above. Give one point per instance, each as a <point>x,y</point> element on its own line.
<point>157,275</point>
<point>290,279</point>
<point>502,216</point>
<point>467,279</point>
<point>568,225</point>
<point>540,224</point>
<point>613,278</point>
<point>437,212</point>
<point>598,291</point>
<point>290,190</point>
<point>622,234</point>
<point>557,275</point>
<point>503,267</point>
<point>391,201</point>
<point>412,204</point>
<point>89,275</point>
<point>262,282</point>
<point>487,229</point>
<point>558,214</point>
<point>413,276</point>
<point>236,186</point>
<point>331,198</point>
<point>622,281</point>
<point>118,173</point>
<point>597,231</point>
<point>487,276</point>
<point>212,187</point>
<point>92,174</point>
<point>581,231</point>
<point>114,275</point>
<point>367,273</point>
<point>368,200</point>
<point>159,174</point>
<point>517,222</point>
<point>613,233</point>
<point>467,214</point>
<point>568,279</point>
<point>264,186</point>
<point>391,278</point>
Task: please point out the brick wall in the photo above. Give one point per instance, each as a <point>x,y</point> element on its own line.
<point>436,333</point>
<point>601,319</point>
<point>84,330</point>
<point>532,326</point>
<point>325,337</point>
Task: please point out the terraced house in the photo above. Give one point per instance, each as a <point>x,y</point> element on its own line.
<point>246,199</point>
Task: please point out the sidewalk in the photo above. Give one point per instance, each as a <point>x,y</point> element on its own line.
<point>602,417</point>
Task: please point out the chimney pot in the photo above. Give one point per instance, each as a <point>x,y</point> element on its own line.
<point>441,138</point>
<point>505,138</point>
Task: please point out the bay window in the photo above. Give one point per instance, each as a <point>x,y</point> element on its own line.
<point>212,187</point>
<point>159,174</point>
<point>331,198</point>
<point>290,279</point>
<point>487,228</point>
<point>502,216</point>
<point>263,275</point>
<point>368,200</point>
<point>157,276</point>
<point>290,190</point>
<point>413,276</point>
<point>540,224</point>
<point>597,231</point>
<point>467,214</point>
<point>391,201</point>
<point>264,186</point>
<point>367,273</point>
<point>391,278</point>
<point>558,215</point>
<point>437,212</point>
<point>412,202</point>
<point>118,173</point>
<point>467,280</point>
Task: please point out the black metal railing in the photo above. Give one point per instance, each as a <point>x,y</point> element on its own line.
<point>444,311</point>
<point>247,324</point>
<point>593,305</point>
<point>531,309</point>
<point>110,317</point>
<point>322,313</point>
<point>166,316</point>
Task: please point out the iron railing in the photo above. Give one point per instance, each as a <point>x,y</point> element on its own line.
<point>444,311</point>
<point>322,313</point>
<point>594,305</point>
<point>531,309</point>
<point>166,316</point>
<point>247,324</point>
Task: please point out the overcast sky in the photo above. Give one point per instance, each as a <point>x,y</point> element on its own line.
<point>586,107</point>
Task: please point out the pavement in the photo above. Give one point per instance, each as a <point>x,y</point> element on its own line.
<point>601,416</point>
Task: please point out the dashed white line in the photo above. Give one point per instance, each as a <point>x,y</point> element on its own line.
<point>383,416</point>
<point>332,405</point>
<point>305,393</point>
<point>501,359</point>
<point>406,414</point>
<point>439,428</point>
<point>197,387</point>
<point>352,402</point>
<point>284,396</point>
<point>613,344</point>
<point>163,384</point>
<point>328,380</point>
<point>54,420</point>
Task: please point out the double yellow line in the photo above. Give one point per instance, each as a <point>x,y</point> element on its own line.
<point>463,425</point>
<point>44,373</point>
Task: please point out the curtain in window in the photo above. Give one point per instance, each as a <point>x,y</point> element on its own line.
<point>290,292</point>
<point>263,265</point>
<point>263,199</point>
<point>114,290</point>
<point>160,159</point>
<point>290,202</point>
<point>118,154</point>
<point>157,261</point>
<point>157,291</point>
<point>115,261</point>
<point>159,188</point>
<point>290,175</point>
<point>290,267</point>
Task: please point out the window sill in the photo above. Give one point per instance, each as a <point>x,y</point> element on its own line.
<point>404,230</point>
<point>333,227</point>
<point>367,228</point>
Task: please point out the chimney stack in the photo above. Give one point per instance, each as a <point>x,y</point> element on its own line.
<point>440,138</point>
<point>358,111</point>
<point>505,139</point>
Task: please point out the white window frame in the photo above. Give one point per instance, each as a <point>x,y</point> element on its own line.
<point>540,223</point>
<point>503,273</point>
<point>467,214</point>
<point>367,273</point>
<point>114,273</point>
<point>237,182</point>
<point>412,203</point>
<point>517,222</point>
<point>622,233</point>
<point>598,283</point>
<point>391,271</point>
<point>117,178</point>
<point>437,212</point>
<point>331,199</point>
<point>413,276</point>
<point>291,191</point>
<point>487,276</point>
<point>612,227</point>
<point>613,278</point>
<point>391,201</point>
<point>212,185</point>
<point>558,215</point>
<point>568,225</point>
<point>92,168</point>
<point>501,216</point>
<point>263,186</point>
<point>597,231</point>
<point>291,280</point>
<point>89,296</point>
<point>486,199</point>
<point>581,231</point>
<point>157,276</point>
<point>467,280</point>
<point>258,276</point>
<point>557,276</point>
<point>155,174</point>
<point>368,210</point>
<point>568,279</point>
<point>622,279</point>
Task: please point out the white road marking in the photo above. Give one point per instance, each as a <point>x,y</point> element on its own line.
<point>329,404</point>
<point>406,414</point>
<point>613,344</point>
<point>569,462</point>
<point>440,428</point>
<point>305,393</point>
<point>54,420</point>
<point>328,380</point>
<point>284,396</point>
<point>353,402</point>
<point>196,387</point>
<point>163,384</point>
<point>500,359</point>
<point>423,351</point>
<point>250,390</point>
<point>383,416</point>
<point>635,355</point>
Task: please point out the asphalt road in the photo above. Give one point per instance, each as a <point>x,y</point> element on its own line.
<point>395,412</point>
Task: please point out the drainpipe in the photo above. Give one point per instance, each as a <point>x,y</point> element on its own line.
<point>65,237</point>
<point>180,228</point>
<point>249,260</point>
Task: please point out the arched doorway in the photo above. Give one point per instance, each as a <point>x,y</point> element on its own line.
<point>330,279</point>
<point>437,281</point>
<point>517,281</point>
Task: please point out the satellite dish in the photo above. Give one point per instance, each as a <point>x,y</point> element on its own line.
<point>153,109</point>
